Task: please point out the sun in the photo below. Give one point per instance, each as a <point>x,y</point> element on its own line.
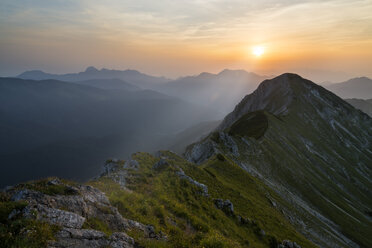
<point>258,51</point>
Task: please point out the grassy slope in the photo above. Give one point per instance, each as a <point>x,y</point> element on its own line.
<point>327,183</point>
<point>176,207</point>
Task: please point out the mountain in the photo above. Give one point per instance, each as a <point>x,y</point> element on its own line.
<point>309,146</point>
<point>364,105</point>
<point>219,92</point>
<point>290,167</point>
<point>354,88</point>
<point>131,76</point>
<point>109,84</point>
<point>51,127</point>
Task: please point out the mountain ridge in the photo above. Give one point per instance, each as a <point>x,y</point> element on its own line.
<point>315,146</point>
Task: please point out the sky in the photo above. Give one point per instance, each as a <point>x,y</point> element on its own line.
<point>328,40</point>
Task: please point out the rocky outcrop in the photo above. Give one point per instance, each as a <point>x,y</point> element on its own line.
<point>68,237</point>
<point>201,151</point>
<point>117,170</point>
<point>229,143</point>
<point>162,163</point>
<point>72,213</point>
<point>203,187</point>
<point>288,244</point>
<point>225,205</point>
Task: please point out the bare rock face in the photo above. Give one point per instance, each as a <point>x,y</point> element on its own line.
<point>70,211</point>
<point>289,244</point>
<point>201,151</point>
<point>68,237</point>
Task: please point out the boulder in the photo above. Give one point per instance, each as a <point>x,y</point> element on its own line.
<point>225,205</point>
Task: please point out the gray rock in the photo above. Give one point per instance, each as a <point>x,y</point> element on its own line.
<point>201,152</point>
<point>110,167</point>
<point>132,164</point>
<point>121,240</point>
<point>290,244</point>
<point>54,216</point>
<point>162,163</point>
<point>68,237</point>
<point>224,205</point>
<point>148,230</point>
<point>54,181</point>
<point>229,143</point>
<point>203,187</point>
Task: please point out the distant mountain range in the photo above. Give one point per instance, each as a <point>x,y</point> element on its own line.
<point>217,91</point>
<point>50,127</point>
<point>130,76</point>
<point>354,88</point>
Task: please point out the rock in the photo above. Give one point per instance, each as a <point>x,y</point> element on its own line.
<point>161,164</point>
<point>243,221</point>
<point>225,206</point>
<point>203,187</point>
<point>201,151</point>
<point>14,213</point>
<point>116,171</point>
<point>229,143</point>
<point>69,237</point>
<point>121,240</point>
<point>273,203</point>
<point>131,164</point>
<point>54,181</point>
<point>110,167</point>
<point>54,216</point>
<point>148,230</point>
<point>69,212</point>
<point>289,244</point>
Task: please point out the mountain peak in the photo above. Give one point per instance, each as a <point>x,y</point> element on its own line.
<point>91,69</point>
<point>276,96</point>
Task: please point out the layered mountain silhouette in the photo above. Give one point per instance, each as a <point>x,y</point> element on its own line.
<point>217,91</point>
<point>311,147</point>
<point>364,105</point>
<point>51,127</point>
<point>130,76</point>
<point>354,88</point>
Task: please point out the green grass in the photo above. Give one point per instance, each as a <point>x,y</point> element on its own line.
<point>97,224</point>
<point>178,209</point>
<point>253,125</point>
<point>43,187</point>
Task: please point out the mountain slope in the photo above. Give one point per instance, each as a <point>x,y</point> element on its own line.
<point>109,84</point>
<point>312,148</point>
<point>50,127</point>
<point>217,91</point>
<point>364,105</point>
<point>354,88</point>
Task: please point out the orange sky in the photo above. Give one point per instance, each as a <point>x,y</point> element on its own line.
<point>322,40</point>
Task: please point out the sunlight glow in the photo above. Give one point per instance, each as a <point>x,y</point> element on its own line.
<point>258,51</point>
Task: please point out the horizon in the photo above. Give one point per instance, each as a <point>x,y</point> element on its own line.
<point>187,38</point>
<point>190,75</point>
